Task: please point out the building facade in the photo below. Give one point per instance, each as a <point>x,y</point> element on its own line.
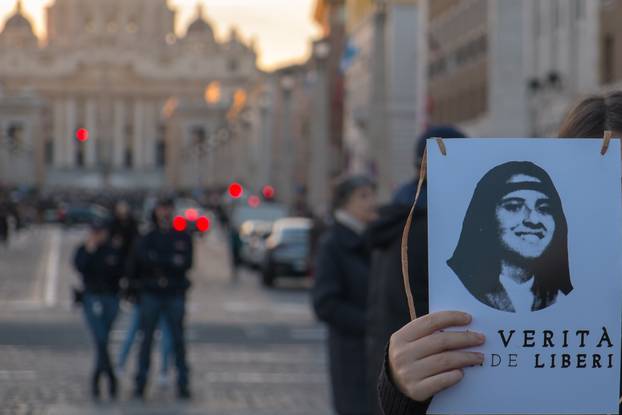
<point>381,120</point>
<point>116,69</point>
<point>503,68</point>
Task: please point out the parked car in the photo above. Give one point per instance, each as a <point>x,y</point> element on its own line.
<point>80,214</point>
<point>191,216</point>
<point>253,235</point>
<point>287,250</point>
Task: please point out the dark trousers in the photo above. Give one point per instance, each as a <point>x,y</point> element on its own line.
<point>172,309</point>
<point>100,311</point>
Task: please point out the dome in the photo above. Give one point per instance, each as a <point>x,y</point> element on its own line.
<point>200,26</point>
<point>18,22</point>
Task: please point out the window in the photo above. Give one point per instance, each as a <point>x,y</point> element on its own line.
<point>232,65</point>
<point>608,58</point>
<point>80,154</point>
<point>160,146</point>
<point>49,151</point>
<point>128,157</point>
<point>579,9</point>
<point>160,153</point>
<point>556,17</point>
<point>14,135</point>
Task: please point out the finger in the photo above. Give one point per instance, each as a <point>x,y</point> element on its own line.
<point>429,387</point>
<point>447,361</point>
<point>431,323</point>
<point>444,341</point>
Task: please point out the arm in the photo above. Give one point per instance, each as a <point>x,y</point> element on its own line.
<point>82,260</point>
<point>328,294</point>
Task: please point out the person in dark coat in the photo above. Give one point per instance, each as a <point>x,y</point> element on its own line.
<point>405,385</point>
<point>387,307</point>
<point>163,258</point>
<point>101,267</point>
<point>123,228</point>
<point>340,292</point>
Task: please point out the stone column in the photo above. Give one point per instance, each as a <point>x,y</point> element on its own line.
<point>318,196</point>
<point>150,132</point>
<point>118,146</point>
<point>58,128</point>
<point>70,130</point>
<point>139,150</point>
<point>91,125</point>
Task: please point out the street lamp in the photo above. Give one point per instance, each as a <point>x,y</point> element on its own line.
<point>287,86</point>
<point>322,158</point>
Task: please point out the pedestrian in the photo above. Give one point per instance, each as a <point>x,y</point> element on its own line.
<point>164,257</point>
<point>100,266</point>
<point>387,308</point>
<point>123,233</point>
<point>406,386</point>
<point>123,228</point>
<point>340,292</point>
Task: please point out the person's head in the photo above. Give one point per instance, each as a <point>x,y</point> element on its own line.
<point>592,116</point>
<point>163,213</point>
<point>356,195</point>
<point>443,131</point>
<point>122,209</point>
<point>98,231</point>
<point>515,215</point>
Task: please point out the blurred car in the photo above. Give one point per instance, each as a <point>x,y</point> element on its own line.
<point>268,212</point>
<point>287,250</point>
<point>79,214</point>
<point>253,235</point>
<point>190,215</point>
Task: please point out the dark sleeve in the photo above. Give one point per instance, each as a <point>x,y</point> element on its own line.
<point>392,400</point>
<point>82,260</point>
<point>328,293</point>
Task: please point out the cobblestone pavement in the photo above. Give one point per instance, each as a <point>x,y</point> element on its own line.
<point>252,350</point>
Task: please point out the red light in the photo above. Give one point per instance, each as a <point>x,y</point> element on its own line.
<point>179,224</point>
<point>82,134</point>
<point>202,224</point>
<point>236,190</point>
<point>192,214</point>
<point>254,201</point>
<point>268,192</point>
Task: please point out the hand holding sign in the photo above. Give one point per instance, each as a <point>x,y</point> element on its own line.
<point>424,360</point>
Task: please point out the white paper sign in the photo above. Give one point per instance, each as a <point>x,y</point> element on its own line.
<point>526,236</point>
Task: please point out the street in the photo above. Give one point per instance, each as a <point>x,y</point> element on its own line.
<point>251,350</point>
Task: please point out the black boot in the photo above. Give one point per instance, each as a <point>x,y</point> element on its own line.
<point>139,392</point>
<point>183,392</point>
<point>95,385</point>
<point>112,385</point>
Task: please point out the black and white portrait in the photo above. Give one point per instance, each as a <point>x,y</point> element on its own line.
<point>512,254</point>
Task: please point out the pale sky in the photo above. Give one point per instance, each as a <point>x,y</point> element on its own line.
<point>283,28</point>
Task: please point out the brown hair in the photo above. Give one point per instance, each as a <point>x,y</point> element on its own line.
<point>592,116</point>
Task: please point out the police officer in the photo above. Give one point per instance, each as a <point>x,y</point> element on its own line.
<point>163,257</point>
<point>101,267</point>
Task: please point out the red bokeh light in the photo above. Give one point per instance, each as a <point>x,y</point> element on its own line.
<point>236,191</point>
<point>179,224</point>
<point>202,224</point>
<point>268,192</point>
<point>82,134</point>
<point>254,201</point>
<point>191,214</point>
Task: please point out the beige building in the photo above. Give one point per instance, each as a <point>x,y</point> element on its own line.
<point>117,69</point>
<point>505,68</point>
